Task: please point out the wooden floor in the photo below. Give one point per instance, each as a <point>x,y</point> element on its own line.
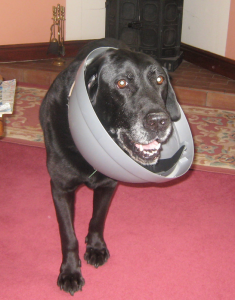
<point>192,84</point>
<point>198,86</point>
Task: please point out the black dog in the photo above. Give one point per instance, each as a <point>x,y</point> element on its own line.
<point>135,102</point>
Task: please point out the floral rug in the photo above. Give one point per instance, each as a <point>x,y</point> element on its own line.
<point>213,130</point>
<point>214,138</point>
<point>23,126</point>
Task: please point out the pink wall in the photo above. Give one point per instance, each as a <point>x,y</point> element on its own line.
<point>230,46</point>
<point>26,21</point>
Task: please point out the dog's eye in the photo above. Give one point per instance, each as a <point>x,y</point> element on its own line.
<point>122,83</point>
<point>160,79</point>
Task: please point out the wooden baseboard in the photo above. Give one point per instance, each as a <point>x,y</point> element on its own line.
<point>213,62</point>
<point>210,61</point>
<point>36,51</point>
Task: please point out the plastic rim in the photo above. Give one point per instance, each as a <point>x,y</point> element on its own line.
<point>100,150</point>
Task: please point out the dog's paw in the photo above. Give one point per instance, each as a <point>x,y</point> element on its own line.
<point>96,257</point>
<point>70,282</point>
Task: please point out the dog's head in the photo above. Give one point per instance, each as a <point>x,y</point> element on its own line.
<point>134,100</point>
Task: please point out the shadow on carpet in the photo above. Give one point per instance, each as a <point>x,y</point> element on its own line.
<point>213,130</point>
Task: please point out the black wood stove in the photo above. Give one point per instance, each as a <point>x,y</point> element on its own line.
<point>149,26</point>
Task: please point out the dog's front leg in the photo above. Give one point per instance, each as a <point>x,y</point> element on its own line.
<point>70,278</point>
<point>96,251</point>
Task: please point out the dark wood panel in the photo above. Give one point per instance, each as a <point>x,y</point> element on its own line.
<point>210,61</point>
<point>36,51</point>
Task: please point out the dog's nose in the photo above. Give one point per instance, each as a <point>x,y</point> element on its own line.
<point>156,121</point>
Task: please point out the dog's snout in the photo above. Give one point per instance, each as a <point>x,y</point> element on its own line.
<point>156,121</point>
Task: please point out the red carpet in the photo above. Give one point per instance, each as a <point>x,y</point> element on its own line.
<point>171,242</point>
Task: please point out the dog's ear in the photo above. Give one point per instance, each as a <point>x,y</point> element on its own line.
<point>172,105</point>
<point>92,74</point>
<point>92,86</point>
<point>91,80</point>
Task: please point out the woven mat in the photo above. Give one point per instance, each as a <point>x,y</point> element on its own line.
<point>213,130</point>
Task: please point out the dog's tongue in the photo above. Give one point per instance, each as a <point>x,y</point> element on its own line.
<point>154,145</point>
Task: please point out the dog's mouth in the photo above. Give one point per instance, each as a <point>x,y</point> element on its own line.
<point>145,154</point>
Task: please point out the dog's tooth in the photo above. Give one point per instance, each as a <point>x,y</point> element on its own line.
<point>141,147</point>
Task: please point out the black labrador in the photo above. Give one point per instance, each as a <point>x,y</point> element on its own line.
<point>133,98</point>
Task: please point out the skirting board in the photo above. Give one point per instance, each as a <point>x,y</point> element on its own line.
<point>36,51</point>
<point>210,61</point>
<point>213,62</point>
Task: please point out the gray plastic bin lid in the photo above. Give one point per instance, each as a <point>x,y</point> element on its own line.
<point>101,151</point>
